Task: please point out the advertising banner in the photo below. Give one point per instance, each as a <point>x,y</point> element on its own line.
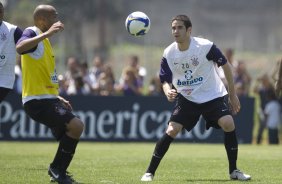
<point>119,118</point>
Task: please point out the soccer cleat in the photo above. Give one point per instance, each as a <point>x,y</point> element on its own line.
<point>147,177</point>
<point>67,173</point>
<point>239,175</point>
<point>61,177</point>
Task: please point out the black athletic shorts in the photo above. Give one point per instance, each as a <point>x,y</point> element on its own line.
<point>188,113</point>
<point>50,112</point>
<point>3,93</point>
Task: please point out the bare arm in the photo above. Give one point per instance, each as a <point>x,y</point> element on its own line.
<point>169,92</point>
<point>233,99</point>
<point>278,84</point>
<point>28,44</point>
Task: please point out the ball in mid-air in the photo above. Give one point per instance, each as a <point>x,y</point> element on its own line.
<point>137,23</point>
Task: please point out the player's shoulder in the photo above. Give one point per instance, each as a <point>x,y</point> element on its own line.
<point>171,48</point>
<point>31,31</point>
<point>8,24</point>
<point>32,28</point>
<point>202,41</point>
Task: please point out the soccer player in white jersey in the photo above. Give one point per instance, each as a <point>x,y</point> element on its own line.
<point>9,35</point>
<point>188,75</point>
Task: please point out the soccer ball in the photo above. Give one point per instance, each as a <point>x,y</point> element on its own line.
<point>137,23</point>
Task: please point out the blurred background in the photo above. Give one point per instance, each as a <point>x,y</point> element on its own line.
<point>96,55</point>
<point>96,27</point>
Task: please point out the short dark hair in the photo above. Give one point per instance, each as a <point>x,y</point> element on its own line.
<point>186,20</point>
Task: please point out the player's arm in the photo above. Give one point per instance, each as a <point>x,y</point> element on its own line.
<point>27,34</point>
<point>27,44</point>
<point>216,55</point>
<point>278,84</point>
<point>170,93</point>
<point>32,42</point>
<point>233,99</point>
<point>166,80</point>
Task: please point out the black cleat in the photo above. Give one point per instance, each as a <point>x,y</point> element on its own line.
<point>60,177</point>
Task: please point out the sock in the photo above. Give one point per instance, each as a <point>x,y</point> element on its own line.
<point>231,147</point>
<point>64,153</point>
<point>160,150</point>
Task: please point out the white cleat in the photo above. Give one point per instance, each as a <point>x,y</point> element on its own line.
<point>147,177</point>
<point>239,175</point>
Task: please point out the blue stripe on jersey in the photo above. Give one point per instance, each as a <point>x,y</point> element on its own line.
<point>165,72</point>
<point>17,34</point>
<point>216,55</point>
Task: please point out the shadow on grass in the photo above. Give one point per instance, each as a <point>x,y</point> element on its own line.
<point>33,169</point>
<point>210,180</point>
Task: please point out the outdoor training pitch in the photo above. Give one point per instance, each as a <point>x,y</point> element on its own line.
<point>125,163</point>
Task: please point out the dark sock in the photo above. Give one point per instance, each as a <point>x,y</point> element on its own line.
<point>231,146</point>
<point>64,153</point>
<point>160,150</point>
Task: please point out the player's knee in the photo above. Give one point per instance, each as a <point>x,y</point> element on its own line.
<point>172,131</point>
<point>228,127</point>
<point>226,123</point>
<point>75,127</point>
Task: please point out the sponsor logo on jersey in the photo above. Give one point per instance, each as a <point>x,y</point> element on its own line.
<point>54,77</point>
<point>2,60</point>
<point>187,91</point>
<point>192,82</point>
<point>2,56</point>
<point>188,74</point>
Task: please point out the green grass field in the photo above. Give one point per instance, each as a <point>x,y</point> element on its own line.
<point>124,163</point>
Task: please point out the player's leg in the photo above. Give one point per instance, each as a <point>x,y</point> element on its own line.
<point>230,140</point>
<point>217,115</point>
<point>260,131</point>
<point>179,119</point>
<point>161,149</point>
<point>68,143</point>
<point>65,127</point>
<point>68,132</point>
<point>231,146</point>
<point>273,136</point>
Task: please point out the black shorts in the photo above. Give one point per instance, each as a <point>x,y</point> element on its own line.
<point>187,113</point>
<point>50,112</point>
<point>3,93</point>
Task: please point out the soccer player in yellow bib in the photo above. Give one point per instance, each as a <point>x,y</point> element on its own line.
<point>40,89</point>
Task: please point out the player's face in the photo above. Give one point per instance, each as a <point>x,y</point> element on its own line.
<point>51,18</point>
<point>179,31</point>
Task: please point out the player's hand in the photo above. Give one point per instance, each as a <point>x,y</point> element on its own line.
<point>278,88</point>
<point>56,27</point>
<point>234,104</point>
<point>65,102</point>
<point>171,95</point>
